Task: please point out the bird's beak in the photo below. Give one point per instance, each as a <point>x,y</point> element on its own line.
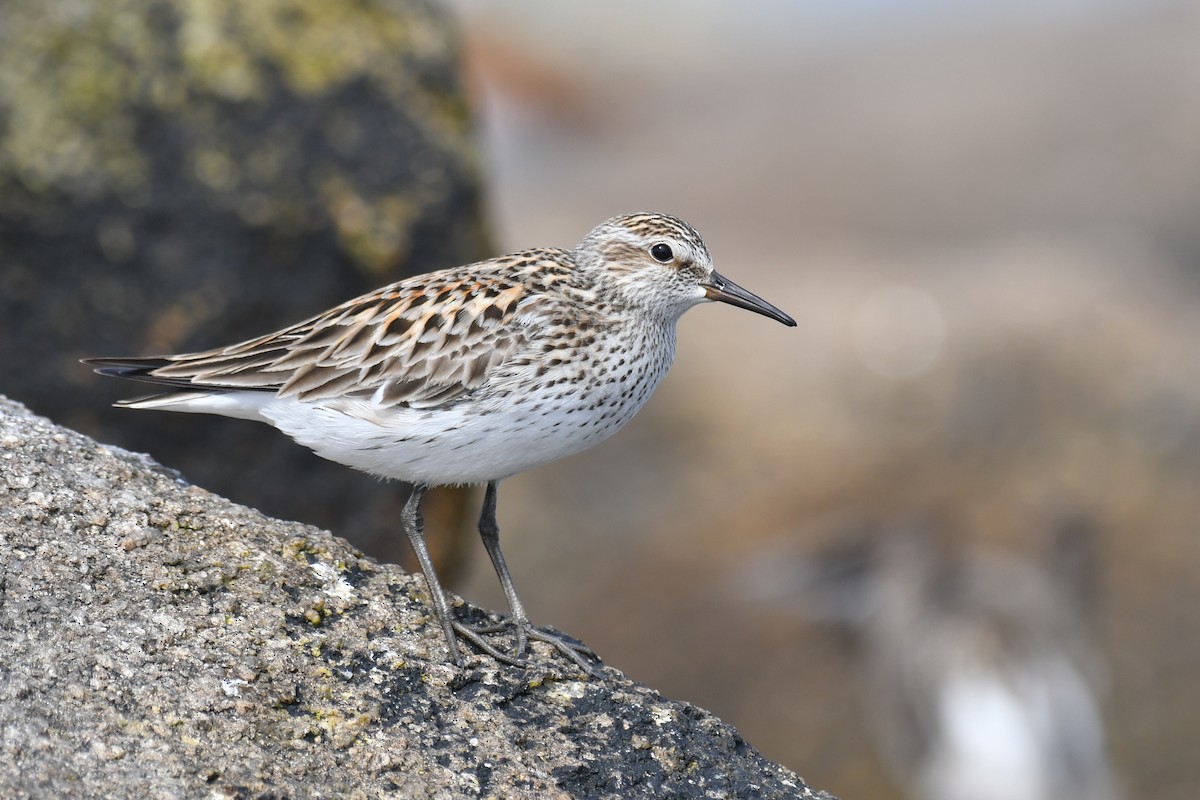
<point>718,287</point>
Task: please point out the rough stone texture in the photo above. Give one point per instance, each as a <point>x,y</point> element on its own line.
<point>159,640</point>
<point>178,176</point>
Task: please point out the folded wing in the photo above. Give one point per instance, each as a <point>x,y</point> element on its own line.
<point>423,342</point>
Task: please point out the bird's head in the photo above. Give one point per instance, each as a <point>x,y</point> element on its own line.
<point>659,263</point>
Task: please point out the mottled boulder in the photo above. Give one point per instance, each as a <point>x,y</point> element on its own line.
<point>178,176</point>
<point>158,640</point>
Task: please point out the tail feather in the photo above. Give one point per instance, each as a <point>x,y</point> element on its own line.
<point>137,369</point>
<point>145,370</point>
<point>160,400</point>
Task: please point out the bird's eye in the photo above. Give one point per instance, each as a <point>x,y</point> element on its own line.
<point>662,252</point>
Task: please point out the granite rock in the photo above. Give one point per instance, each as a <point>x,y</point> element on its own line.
<point>157,640</point>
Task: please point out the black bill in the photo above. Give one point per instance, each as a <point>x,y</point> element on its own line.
<point>723,290</point>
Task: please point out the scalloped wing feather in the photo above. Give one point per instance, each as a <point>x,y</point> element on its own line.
<point>422,342</point>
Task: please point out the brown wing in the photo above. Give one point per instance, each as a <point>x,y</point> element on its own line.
<point>421,342</point>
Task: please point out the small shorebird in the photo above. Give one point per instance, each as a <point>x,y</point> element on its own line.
<point>468,375</point>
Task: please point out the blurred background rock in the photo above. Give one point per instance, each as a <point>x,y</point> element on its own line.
<point>178,176</point>
<point>983,218</point>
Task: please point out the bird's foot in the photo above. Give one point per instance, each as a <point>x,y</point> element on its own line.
<point>575,651</point>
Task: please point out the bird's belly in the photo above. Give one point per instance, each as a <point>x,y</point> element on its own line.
<point>467,443</point>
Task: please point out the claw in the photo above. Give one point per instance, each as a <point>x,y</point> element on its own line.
<point>473,636</point>
<point>576,652</point>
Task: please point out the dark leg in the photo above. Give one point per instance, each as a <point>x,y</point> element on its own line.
<point>414,526</point>
<point>489,532</point>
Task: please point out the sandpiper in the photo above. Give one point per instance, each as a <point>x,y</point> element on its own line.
<point>468,375</point>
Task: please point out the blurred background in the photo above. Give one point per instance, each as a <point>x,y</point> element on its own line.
<point>961,495</point>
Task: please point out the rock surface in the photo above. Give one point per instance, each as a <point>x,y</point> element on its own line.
<point>159,640</point>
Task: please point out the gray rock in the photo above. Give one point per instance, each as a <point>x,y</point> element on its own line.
<point>158,640</point>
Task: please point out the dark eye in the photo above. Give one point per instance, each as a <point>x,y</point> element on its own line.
<point>662,252</point>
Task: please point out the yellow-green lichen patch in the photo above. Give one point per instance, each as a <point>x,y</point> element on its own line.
<point>77,81</point>
<point>566,692</point>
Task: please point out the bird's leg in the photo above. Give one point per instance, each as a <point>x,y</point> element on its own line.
<point>414,526</point>
<point>489,532</point>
